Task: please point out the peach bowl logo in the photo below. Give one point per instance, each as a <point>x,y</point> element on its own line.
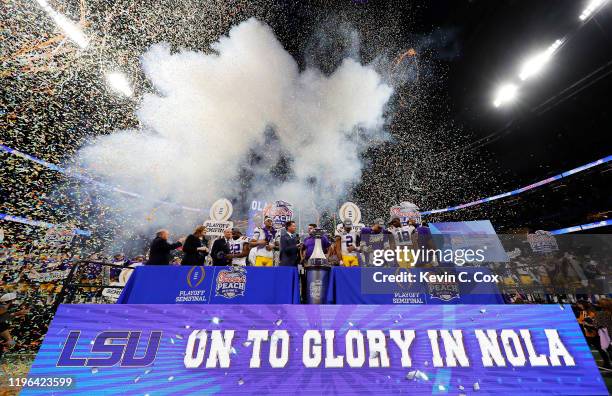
<point>231,282</point>
<point>280,212</point>
<point>444,291</point>
<point>406,211</point>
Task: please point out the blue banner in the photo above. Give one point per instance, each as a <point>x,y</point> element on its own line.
<point>412,286</point>
<point>314,349</point>
<point>211,285</point>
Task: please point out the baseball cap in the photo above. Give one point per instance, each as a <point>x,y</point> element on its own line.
<point>8,297</point>
<point>347,223</point>
<point>379,221</point>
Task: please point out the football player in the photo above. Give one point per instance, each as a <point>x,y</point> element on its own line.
<point>347,244</point>
<point>239,248</point>
<point>263,242</point>
<point>309,243</point>
<point>403,235</point>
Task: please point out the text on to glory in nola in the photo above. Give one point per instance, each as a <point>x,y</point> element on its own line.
<point>497,348</point>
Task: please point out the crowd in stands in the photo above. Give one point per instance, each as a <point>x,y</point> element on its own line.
<point>595,320</point>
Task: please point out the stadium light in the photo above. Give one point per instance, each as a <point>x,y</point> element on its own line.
<point>536,63</point>
<point>69,28</point>
<point>591,8</point>
<point>119,82</point>
<point>505,94</point>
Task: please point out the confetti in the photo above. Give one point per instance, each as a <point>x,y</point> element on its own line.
<point>417,375</point>
<point>59,109</point>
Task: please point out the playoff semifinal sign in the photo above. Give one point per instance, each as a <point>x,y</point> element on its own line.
<point>255,349</point>
<point>220,212</point>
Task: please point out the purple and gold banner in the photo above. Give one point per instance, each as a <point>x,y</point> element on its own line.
<point>310,349</point>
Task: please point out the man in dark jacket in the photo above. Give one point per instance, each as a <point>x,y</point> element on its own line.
<point>195,248</point>
<point>159,252</point>
<point>289,245</point>
<point>220,251</point>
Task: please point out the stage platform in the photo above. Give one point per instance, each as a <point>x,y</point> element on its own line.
<point>281,285</point>
<point>211,285</point>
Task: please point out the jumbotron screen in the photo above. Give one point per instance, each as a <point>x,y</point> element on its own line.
<point>306,197</point>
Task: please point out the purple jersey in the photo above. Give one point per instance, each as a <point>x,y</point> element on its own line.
<point>309,243</point>
<point>423,230</point>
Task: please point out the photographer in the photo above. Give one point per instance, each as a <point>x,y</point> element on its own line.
<point>586,318</point>
<point>6,303</point>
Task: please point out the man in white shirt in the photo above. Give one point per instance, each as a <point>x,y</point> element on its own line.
<point>404,236</point>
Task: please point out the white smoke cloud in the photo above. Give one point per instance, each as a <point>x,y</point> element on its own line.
<point>211,109</point>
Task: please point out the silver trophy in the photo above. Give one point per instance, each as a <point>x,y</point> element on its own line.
<point>317,272</point>
<point>318,256</point>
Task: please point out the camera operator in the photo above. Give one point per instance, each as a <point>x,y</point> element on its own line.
<point>7,301</point>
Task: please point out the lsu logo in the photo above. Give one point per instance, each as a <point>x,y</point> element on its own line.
<point>231,282</point>
<point>196,276</point>
<point>110,348</point>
